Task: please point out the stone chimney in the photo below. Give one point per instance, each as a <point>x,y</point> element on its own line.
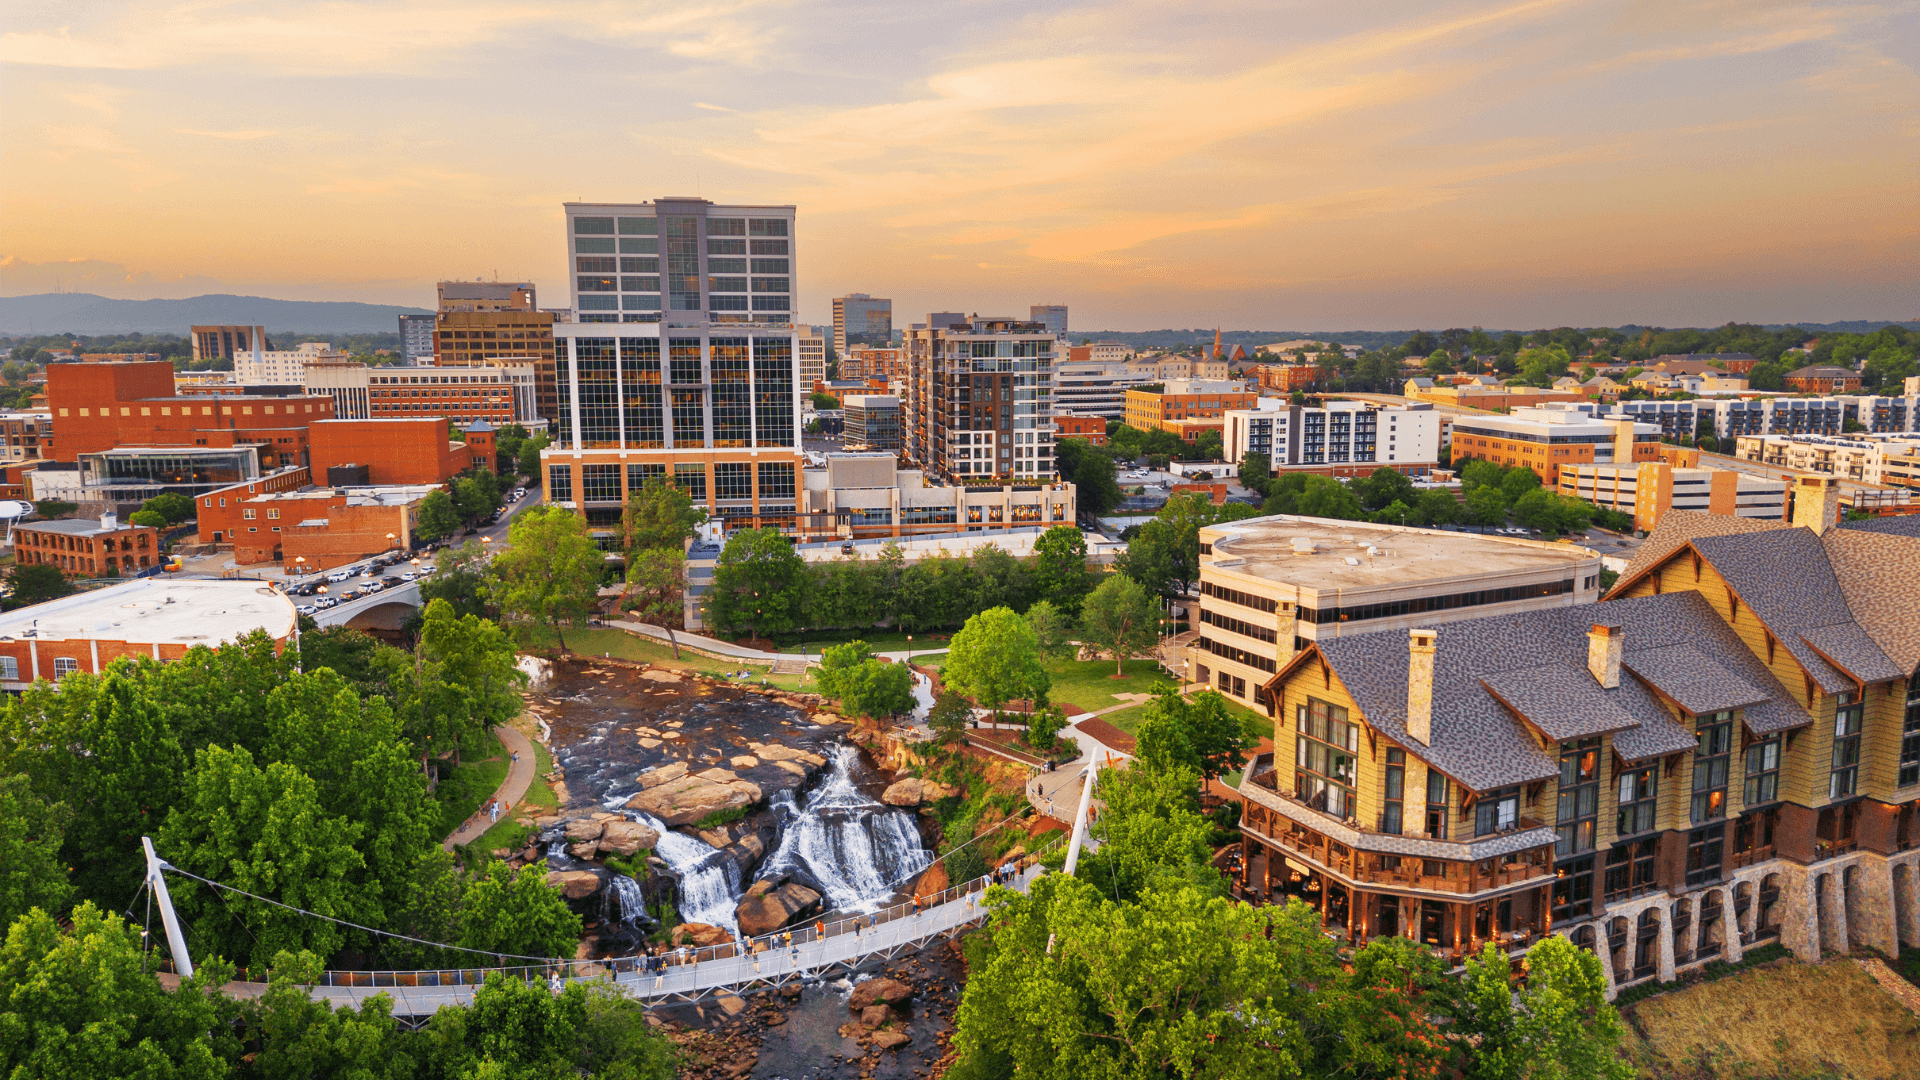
<point>1816,502</point>
<point>109,521</point>
<point>1420,686</point>
<point>1604,644</point>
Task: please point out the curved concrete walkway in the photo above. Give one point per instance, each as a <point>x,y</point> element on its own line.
<point>511,790</point>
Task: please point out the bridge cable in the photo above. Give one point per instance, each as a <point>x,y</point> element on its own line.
<point>367,929</point>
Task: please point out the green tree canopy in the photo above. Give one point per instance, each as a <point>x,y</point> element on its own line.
<point>32,874</point>
<point>1198,734</point>
<point>171,505</point>
<point>459,579</point>
<point>1164,554</point>
<point>948,717</point>
<point>656,589</point>
<point>147,519</point>
<point>1121,618</point>
<point>438,518</point>
<point>518,914</point>
<point>1051,629</point>
<point>1060,568</point>
<point>758,585</point>
<point>660,515</point>
<point>35,583</point>
<point>995,658</point>
<point>551,570</point>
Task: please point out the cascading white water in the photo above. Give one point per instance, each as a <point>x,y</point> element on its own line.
<point>631,899</point>
<point>709,880</point>
<point>860,851</point>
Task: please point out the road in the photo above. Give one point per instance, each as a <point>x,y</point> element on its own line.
<point>408,593</point>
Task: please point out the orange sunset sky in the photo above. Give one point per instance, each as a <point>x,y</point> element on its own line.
<point>1306,165</point>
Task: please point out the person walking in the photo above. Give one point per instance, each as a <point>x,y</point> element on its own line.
<point>820,930</point>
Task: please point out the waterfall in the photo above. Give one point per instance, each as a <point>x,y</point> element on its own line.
<point>631,899</point>
<point>859,851</point>
<point>709,880</point>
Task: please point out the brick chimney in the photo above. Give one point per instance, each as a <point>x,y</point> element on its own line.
<point>1420,686</point>
<point>1816,502</point>
<point>1604,644</point>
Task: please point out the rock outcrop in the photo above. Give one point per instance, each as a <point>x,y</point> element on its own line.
<point>878,991</point>
<point>700,934</point>
<point>913,791</point>
<point>574,884</point>
<point>624,838</point>
<point>773,909</point>
<point>689,798</point>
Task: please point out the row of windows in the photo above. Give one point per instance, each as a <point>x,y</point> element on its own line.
<point>1361,612</point>
<point>1235,596</point>
<point>1238,626</point>
<point>1241,656</point>
<point>600,482</point>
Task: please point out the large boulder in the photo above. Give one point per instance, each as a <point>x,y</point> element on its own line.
<point>906,792</point>
<point>624,838</point>
<point>688,799</point>
<point>891,1040</point>
<point>574,884</point>
<point>667,773</point>
<point>700,934</point>
<point>769,911</point>
<point>878,991</point>
<point>933,880</point>
<point>584,850</point>
<point>581,829</point>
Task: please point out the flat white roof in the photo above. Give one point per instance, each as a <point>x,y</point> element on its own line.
<point>1326,555</point>
<point>164,611</point>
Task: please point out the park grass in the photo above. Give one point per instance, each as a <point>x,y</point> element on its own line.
<point>1128,719</point>
<point>877,640</point>
<point>621,645</point>
<point>1090,683</point>
<point>1784,1021</point>
<point>507,832</point>
<point>468,785</point>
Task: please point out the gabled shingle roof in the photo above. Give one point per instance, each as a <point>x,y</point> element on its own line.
<point>1677,528</point>
<point>1692,679</point>
<point>1478,742</point>
<point>1879,573</point>
<point>1785,578</point>
<point>1561,700</point>
<point>1901,525</point>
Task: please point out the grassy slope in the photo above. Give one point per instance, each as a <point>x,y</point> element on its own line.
<point>624,646</point>
<point>469,784</point>
<point>1791,1020</point>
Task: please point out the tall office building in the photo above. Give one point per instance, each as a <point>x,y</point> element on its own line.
<point>686,370</point>
<point>223,342</point>
<point>1052,316</point>
<point>813,358</point>
<point>494,324</point>
<point>416,340</point>
<point>859,319</point>
<point>980,399</point>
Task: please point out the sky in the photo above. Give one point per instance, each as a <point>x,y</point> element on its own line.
<point>1304,165</point>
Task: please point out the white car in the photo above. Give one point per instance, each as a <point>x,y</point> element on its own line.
<point>325,602</point>
<point>410,575</point>
<point>428,569</point>
<point>306,609</point>
<point>338,576</point>
<point>375,587</point>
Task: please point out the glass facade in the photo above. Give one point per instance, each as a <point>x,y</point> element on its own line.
<point>138,475</point>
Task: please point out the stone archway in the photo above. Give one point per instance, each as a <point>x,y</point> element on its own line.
<point>1830,913</point>
<point>1620,949</point>
<point>1681,924</point>
<point>1906,903</point>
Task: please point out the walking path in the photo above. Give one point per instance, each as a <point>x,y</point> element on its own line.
<point>764,961</point>
<point>511,790</point>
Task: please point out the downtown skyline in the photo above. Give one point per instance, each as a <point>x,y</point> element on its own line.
<point>1515,164</point>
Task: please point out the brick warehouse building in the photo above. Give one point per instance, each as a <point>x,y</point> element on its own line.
<point>414,450</point>
<point>87,547</point>
<point>98,407</point>
<point>158,618</point>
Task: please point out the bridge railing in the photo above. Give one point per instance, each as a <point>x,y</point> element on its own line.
<point>567,970</point>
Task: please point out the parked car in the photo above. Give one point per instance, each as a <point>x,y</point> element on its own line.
<point>351,595</point>
<point>410,575</point>
<point>306,609</point>
<point>338,576</point>
<point>391,581</point>
<point>427,568</point>
<point>324,602</point>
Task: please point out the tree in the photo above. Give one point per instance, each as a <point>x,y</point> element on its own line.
<point>758,585</point>
<point>1325,497</point>
<point>35,583</point>
<point>1208,446</point>
<point>475,495</point>
<point>877,689</point>
<point>171,505</point>
<point>518,914</point>
<point>1197,734</point>
<point>1386,1018</point>
<point>1485,507</point>
<point>1542,509</point>
<point>471,655</point>
<point>1256,472</point>
<point>1164,555</point>
<point>299,1036</point>
<point>660,515</point>
<point>438,518</point>
<point>1479,472</point>
<point>1434,508</point>
<point>1060,568</point>
<point>948,717</point>
<point>550,571</point>
<point>656,587</point>
<point>1121,618</point>
<point>1051,628</point>
<point>1180,984</point>
<point>1383,487</point>
<point>32,874</point>
<point>529,462</point>
<point>54,508</point>
<point>1559,1027</point>
<point>1151,833</point>
<point>147,519</point>
<point>995,658</point>
<point>459,579</point>
<point>1518,481</point>
<point>1090,470</point>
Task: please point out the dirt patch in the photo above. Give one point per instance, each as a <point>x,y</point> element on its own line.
<point>758,644</point>
<point>1786,1019</point>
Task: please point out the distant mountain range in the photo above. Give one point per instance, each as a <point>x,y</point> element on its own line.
<point>85,313</point>
<point>1387,339</point>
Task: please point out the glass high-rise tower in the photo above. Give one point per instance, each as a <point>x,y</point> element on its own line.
<point>680,361</point>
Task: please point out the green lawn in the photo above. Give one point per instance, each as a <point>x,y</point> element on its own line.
<point>508,833</point>
<point>466,786</point>
<point>877,640</point>
<point>1127,720</point>
<point>1090,683</point>
<point>624,646</point>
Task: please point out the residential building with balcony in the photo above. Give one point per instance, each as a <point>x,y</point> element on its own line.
<point>1345,438</point>
<point>980,399</point>
<point>1862,456</point>
<point>1648,489</point>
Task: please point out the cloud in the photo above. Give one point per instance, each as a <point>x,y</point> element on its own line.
<point>713,108</point>
<point>236,136</point>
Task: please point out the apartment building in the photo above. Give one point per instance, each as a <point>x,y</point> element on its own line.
<point>499,395</point>
<point>1546,439</point>
<point>1099,387</point>
<point>811,350</point>
<point>859,319</point>
<point>862,495</point>
<point>1107,352</point>
<point>1724,753</point>
<point>1168,368</point>
<point>1068,425</point>
<point>21,434</point>
<point>1863,456</point>
<point>1649,489</point>
<point>87,547</point>
<point>873,362</point>
<point>1287,378</point>
<point>1051,316</point>
<point>1821,379</point>
<point>282,367</point>
<point>493,324</point>
<point>695,379</point>
<point>872,421</point>
<point>1178,402</point>
<point>227,342</point>
<point>1271,587</point>
<point>1345,438</point>
<point>417,340</point>
<point>980,399</point>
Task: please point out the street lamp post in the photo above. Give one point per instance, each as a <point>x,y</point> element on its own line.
<point>909,650</point>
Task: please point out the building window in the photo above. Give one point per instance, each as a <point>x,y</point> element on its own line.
<point>600,483</point>
<point>64,666</point>
<point>1629,870</point>
<point>1636,802</point>
<point>1763,769</point>
<point>776,480</point>
<point>733,480</point>
<point>692,479</point>
<point>1497,811</point>
<point>1711,762</point>
<point>1325,753</point>
<point>638,476</point>
<point>1439,798</point>
<point>1573,889</point>
<point>560,483</point>
<point>1910,735</point>
<point>9,669</point>
<point>1844,780</point>
<point>1393,792</point>
<point>1579,810</point>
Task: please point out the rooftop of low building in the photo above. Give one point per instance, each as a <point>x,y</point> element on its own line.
<point>1325,554</point>
<point>165,611</point>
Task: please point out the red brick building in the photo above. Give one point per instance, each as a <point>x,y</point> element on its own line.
<point>87,547</point>
<point>220,517</point>
<point>160,618</point>
<point>1286,378</point>
<point>319,528</point>
<point>102,406</point>
<point>1070,426</point>
<point>1821,379</point>
<point>413,450</point>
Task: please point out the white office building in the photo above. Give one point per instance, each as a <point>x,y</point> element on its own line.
<point>1343,437</point>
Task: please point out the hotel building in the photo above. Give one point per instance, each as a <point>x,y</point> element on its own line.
<point>681,362</point>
